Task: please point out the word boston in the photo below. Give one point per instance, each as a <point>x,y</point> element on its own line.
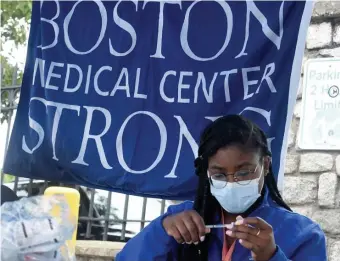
<point>115,94</point>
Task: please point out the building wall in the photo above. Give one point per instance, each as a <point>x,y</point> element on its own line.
<point>312,179</point>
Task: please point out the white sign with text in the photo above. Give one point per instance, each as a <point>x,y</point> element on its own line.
<point>320,118</point>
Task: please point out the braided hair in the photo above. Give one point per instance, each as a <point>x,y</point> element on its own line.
<point>225,131</point>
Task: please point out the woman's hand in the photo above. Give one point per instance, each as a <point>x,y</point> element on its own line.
<point>186,227</point>
<point>255,234</point>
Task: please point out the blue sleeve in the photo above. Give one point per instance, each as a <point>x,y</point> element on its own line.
<point>312,248</point>
<point>152,243</point>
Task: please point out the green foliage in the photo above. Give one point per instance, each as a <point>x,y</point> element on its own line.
<point>15,18</point>
<point>9,78</point>
<point>14,15</point>
<point>8,178</point>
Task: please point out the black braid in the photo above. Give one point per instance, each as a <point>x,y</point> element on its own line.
<point>274,191</point>
<point>225,131</point>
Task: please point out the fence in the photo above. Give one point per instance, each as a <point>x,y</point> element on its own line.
<point>96,221</point>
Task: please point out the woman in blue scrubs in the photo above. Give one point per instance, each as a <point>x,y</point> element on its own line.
<point>236,189</point>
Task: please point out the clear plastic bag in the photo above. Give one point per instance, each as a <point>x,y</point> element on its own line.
<point>32,231</point>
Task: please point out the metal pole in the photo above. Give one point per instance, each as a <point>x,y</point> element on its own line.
<point>107,215</point>
<point>126,206</point>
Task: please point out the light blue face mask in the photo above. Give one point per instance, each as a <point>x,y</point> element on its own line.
<point>236,198</point>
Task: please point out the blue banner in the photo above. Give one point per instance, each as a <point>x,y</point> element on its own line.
<point>116,94</point>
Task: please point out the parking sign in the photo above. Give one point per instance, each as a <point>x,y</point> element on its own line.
<point>320,118</point>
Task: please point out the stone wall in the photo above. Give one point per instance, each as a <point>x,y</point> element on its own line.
<point>312,179</point>
<point>97,250</point>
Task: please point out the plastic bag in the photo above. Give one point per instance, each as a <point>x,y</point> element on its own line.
<point>31,231</point>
